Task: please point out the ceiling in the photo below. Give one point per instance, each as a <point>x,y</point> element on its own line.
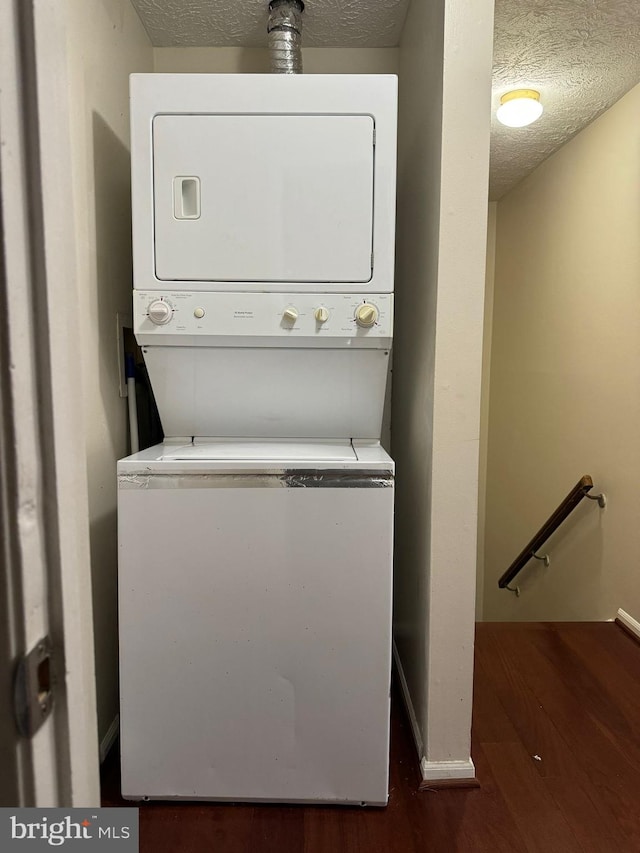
<point>243,23</point>
<point>581,55</point>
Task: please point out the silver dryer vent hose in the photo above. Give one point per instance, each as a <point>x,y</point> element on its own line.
<point>285,36</point>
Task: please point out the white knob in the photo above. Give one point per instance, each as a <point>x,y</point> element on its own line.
<point>198,313</point>
<point>321,315</point>
<point>290,315</point>
<point>366,315</point>
<point>159,312</point>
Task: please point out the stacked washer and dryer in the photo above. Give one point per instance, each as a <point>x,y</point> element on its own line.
<point>255,572</point>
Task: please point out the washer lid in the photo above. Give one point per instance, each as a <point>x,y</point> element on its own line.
<point>265,450</point>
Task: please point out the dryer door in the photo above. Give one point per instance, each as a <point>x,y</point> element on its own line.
<point>263,198</point>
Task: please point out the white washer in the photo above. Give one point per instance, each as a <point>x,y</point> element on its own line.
<point>255,544</point>
<point>255,620</point>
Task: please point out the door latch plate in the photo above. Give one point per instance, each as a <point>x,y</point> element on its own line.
<point>33,693</point>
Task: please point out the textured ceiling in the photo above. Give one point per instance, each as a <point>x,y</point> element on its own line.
<point>229,23</point>
<point>581,55</point>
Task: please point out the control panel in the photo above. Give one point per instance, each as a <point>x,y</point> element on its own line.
<point>297,315</point>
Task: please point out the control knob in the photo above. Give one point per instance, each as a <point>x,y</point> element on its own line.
<point>321,315</point>
<point>290,315</point>
<point>159,312</point>
<point>366,315</point>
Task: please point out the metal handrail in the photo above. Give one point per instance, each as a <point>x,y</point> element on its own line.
<point>577,493</point>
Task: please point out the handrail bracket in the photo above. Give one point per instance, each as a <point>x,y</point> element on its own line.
<point>601,498</point>
<point>545,558</point>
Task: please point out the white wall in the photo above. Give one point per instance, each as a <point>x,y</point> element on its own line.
<point>235,60</point>
<point>565,374</point>
<point>484,402</point>
<point>445,81</point>
<point>106,42</point>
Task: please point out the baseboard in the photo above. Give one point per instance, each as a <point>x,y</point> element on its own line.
<point>411,713</point>
<point>109,739</point>
<point>440,784</point>
<point>448,774</point>
<point>630,625</point>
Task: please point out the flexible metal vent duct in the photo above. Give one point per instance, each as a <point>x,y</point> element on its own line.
<point>285,36</point>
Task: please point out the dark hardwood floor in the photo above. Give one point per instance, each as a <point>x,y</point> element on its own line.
<point>556,743</point>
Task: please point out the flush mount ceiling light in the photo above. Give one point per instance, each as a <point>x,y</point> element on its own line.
<point>519,108</point>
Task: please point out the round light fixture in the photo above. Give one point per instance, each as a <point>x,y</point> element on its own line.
<point>519,108</point>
